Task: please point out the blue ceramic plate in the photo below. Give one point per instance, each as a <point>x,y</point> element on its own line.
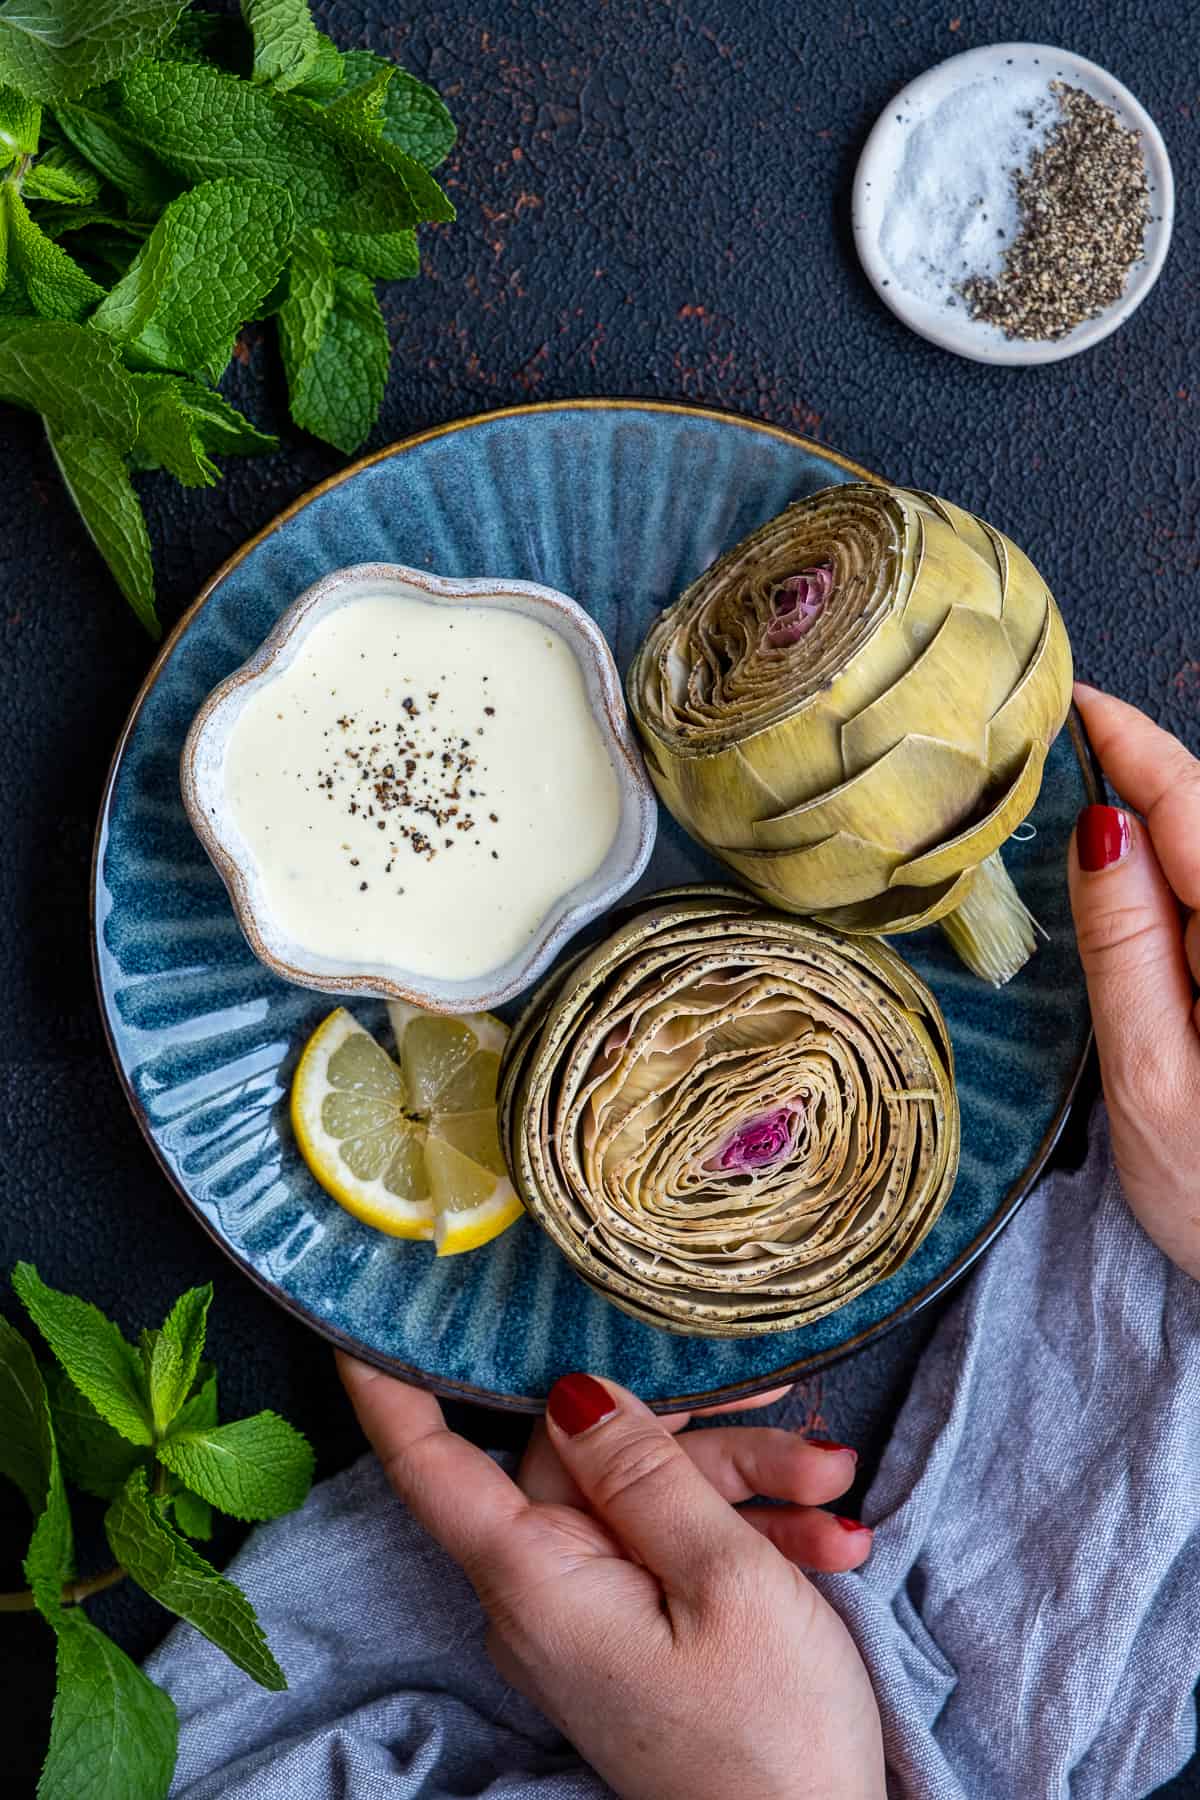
<point>618,504</point>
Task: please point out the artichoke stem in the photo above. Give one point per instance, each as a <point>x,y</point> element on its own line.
<point>993,930</point>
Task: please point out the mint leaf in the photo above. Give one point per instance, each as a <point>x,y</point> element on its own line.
<point>395,190</point>
<point>254,1468</point>
<point>20,125</point>
<point>114,1734</point>
<point>186,1325</point>
<point>287,45</point>
<point>24,1436</point>
<point>50,1559</point>
<point>162,1366</point>
<point>222,428</point>
<point>325,77</point>
<point>304,312</point>
<point>29,1457</point>
<point>54,49</point>
<point>56,285</point>
<point>415,118</point>
<point>90,1348</point>
<point>180,422</point>
<point>60,174</point>
<point>213,256</point>
<point>180,1579</point>
<point>205,123</point>
<point>192,1514</point>
<point>198,1413</point>
<point>199,1410</point>
<point>384,255</point>
<point>118,156</point>
<point>337,392</point>
<point>171,1356</point>
<point>15,310</point>
<point>94,1456</point>
<point>99,484</point>
<point>168,436</point>
<point>74,376</point>
<point>57,220</point>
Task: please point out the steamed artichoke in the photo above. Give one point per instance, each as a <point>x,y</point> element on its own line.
<point>729,1120</point>
<point>852,709</point>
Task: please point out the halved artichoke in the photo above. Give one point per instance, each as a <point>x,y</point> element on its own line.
<point>731,1121</point>
<point>852,709</point>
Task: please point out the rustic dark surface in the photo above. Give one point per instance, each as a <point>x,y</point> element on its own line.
<point>653,200</point>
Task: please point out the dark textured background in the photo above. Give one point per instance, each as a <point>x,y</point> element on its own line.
<point>654,200</point>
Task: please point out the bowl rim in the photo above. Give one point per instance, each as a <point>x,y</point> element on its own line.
<point>964,338</point>
<point>464,1391</point>
<point>624,861</point>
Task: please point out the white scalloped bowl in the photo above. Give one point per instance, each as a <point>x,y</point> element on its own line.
<point>202,778</point>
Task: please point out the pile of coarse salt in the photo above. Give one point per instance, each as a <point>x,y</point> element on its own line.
<point>952,209</point>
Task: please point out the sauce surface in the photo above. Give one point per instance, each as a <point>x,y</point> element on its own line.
<point>421,784</point>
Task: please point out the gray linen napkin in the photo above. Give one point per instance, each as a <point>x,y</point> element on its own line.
<point>1030,1614</point>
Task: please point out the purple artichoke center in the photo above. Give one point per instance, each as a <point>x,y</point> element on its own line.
<point>758,1142</point>
<point>799,602</point>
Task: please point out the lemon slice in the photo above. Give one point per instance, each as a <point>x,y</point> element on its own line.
<point>410,1148</point>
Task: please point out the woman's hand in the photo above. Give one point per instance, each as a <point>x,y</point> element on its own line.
<point>668,1635</point>
<point>1135,890</point>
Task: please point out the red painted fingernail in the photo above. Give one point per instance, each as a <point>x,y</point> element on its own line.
<point>577,1402</point>
<point>1103,836</point>
<point>849,1524</point>
<point>828,1444</point>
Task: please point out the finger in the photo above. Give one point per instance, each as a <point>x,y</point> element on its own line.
<point>741,1462</point>
<point>451,1487</point>
<point>1131,948</point>
<point>744,1462</point>
<point>1156,776</point>
<point>541,1475</point>
<point>753,1403</point>
<point>810,1538</point>
<point>637,1479</point>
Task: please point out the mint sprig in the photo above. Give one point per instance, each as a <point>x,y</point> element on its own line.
<point>153,198</point>
<point>139,1428</point>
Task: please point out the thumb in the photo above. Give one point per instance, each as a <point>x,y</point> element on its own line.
<point>638,1480</point>
<point>1130,942</point>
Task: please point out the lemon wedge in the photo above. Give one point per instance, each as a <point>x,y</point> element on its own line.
<point>410,1147</point>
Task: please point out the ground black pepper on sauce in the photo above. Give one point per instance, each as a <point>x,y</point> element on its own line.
<point>385,767</point>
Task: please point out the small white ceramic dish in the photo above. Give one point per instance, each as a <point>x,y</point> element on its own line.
<point>202,779</point>
<point>881,160</point>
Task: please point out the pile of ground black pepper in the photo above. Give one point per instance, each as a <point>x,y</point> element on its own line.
<point>417,784</point>
<point>1084,205</point>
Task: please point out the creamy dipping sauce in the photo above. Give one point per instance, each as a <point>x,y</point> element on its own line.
<point>421,784</point>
